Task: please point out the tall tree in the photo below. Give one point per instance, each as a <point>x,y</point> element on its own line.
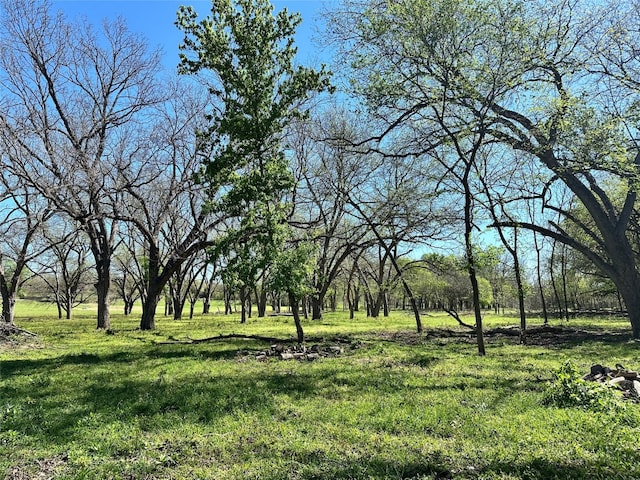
<point>162,204</point>
<point>325,168</point>
<point>72,94</point>
<point>246,56</point>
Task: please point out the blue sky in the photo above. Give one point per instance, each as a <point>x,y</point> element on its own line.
<point>154,19</point>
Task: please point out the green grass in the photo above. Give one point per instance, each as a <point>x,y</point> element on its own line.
<point>82,404</point>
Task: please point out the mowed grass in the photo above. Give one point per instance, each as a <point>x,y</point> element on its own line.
<point>81,404</point>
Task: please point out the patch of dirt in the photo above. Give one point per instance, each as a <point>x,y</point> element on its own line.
<point>12,336</point>
<point>542,335</point>
<point>548,335</point>
<point>43,469</point>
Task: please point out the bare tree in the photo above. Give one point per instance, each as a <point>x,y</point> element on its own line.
<point>72,97</point>
<point>325,168</point>
<point>162,200</point>
<point>65,268</point>
<point>128,276</point>
<point>187,283</point>
<point>23,216</point>
<point>209,287</point>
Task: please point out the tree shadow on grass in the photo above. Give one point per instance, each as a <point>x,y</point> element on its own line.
<point>563,336</point>
<point>198,398</point>
<point>437,466</point>
<point>22,367</point>
<point>543,469</point>
<point>432,467</point>
<point>556,337</point>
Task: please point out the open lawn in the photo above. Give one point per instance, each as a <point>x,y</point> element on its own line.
<point>76,403</point>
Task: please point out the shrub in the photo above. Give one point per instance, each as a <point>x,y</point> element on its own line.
<point>568,389</point>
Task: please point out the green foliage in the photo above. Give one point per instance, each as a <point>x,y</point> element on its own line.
<point>568,389</point>
<point>257,90</point>
<point>486,292</point>
<point>245,54</point>
<point>445,278</point>
<point>292,270</point>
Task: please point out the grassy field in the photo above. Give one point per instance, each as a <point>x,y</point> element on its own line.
<point>80,404</point>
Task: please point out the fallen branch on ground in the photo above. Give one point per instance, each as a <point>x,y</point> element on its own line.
<point>225,337</point>
<point>455,315</point>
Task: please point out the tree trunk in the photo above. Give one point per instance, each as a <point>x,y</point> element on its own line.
<point>385,304</point>
<point>68,305</point>
<point>148,321</point>
<point>376,305</point>
<point>227,301</point>
<point>178,306</point>
<point>128,306</point>
<point>316,306</point>
<point>206,302</point>
<point>275,302</point>
<point>154,292</point>
<point>243,305</point>
<point>539,275</point>
<point>168,303</point>
<point>563,274</point>
<point>350,301</point>
<point>295,310</point>
<point>101,249</point>
<point>333,301</point>
<point>553,280</point>
<point>102,292</point>
<point>471,267</point>
<point>523,315</point>
<point>8,304</point>
<point>628,283</point>
<point>632,302</point>
<point>261,302</point>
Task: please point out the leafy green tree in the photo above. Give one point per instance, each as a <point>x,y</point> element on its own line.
<point>291,273</point>
<point>548,81</point>
<point>245,55</point>
<point>249,255</point>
